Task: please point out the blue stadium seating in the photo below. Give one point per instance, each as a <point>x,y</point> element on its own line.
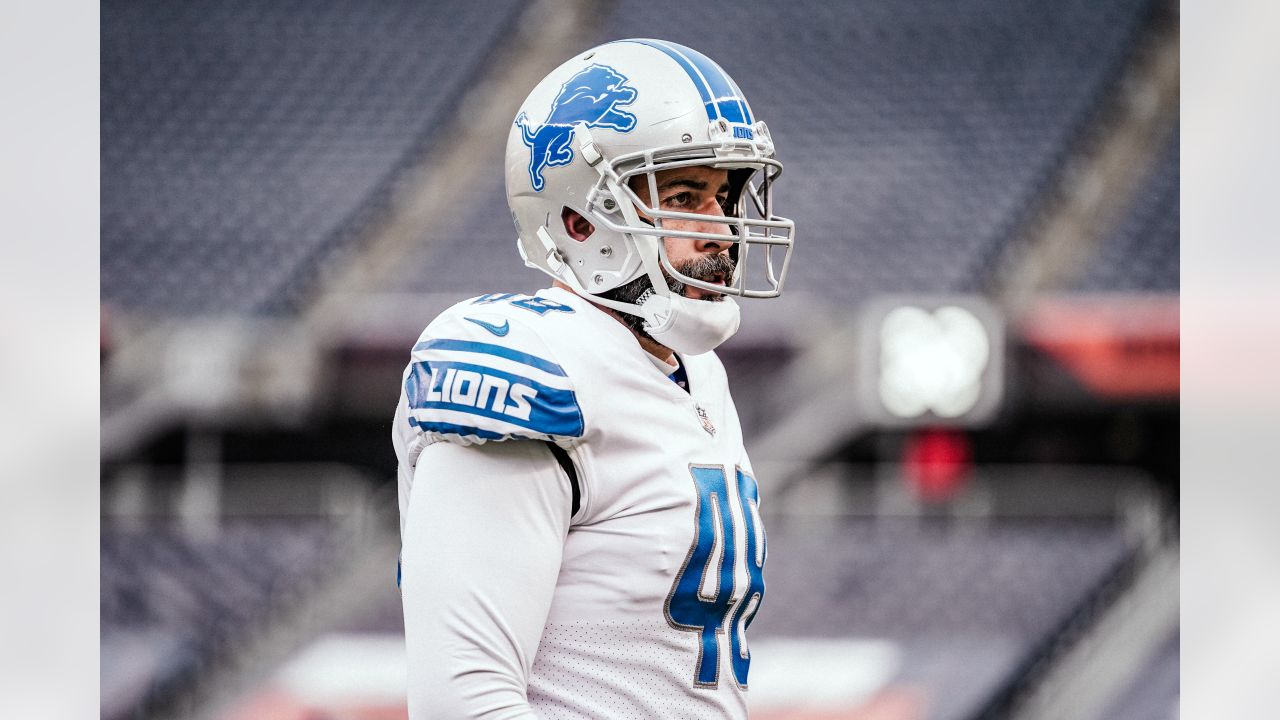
<point>967,605</point>
<point>244,144</point>
<point>895,578</point>
<point>915,134</point>
<point>170,600</point>
<point>244,148</point>
<point>1153,694</point>
<point>1141,253</point>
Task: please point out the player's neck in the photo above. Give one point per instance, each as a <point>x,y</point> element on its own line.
<point>651,346</point>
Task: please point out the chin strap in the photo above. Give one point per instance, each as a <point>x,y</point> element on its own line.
<point>688,326</point>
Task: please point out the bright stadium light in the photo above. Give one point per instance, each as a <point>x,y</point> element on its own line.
<point>932,361</point>
<point>926,359</point>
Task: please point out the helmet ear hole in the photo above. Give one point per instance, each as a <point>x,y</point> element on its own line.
<point>738,179</point>
<point>575,225</point>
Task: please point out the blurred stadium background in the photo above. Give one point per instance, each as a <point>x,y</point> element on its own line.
<point>963,410</point>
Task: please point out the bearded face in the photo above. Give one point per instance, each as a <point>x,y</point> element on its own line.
<point>707,268</point>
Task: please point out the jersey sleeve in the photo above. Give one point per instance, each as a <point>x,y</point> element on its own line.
<point>483,545</point>
<point>478,375</point>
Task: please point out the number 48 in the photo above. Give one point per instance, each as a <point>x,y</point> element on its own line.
<point>702,598</point>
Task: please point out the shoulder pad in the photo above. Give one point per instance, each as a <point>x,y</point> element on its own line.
<point>479,373</point>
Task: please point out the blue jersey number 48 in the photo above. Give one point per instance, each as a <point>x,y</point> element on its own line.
<point>538,305</point>
<point>702,598</point>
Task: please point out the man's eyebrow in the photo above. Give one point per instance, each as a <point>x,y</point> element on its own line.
<point>683,182</point>
<point>690,183</point>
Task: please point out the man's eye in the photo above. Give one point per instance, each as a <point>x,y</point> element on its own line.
<point>678,199</point>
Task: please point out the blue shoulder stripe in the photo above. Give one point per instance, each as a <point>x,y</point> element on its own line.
<point>452,429</point>
<point>436,386</point>
<point>719,93</point>
<point>490,349</point>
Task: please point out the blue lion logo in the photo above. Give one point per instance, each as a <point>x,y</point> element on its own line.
<point>593,96</point>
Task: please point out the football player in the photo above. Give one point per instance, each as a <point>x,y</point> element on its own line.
<point>580,522</point>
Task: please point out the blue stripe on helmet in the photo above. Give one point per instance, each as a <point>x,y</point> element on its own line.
<point>704,90</point>
<point>719,93</point>
<point>732,106</point>
<point>742,99</point>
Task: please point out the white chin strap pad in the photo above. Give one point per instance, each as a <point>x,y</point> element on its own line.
<point>688,326</point>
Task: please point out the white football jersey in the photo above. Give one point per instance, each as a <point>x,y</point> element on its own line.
<point>662,570</point>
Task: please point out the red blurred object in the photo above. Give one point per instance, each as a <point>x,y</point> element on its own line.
<point>937,462</point>
<point>1117,346</point>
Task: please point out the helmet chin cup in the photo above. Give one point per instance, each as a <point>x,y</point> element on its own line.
<point>688,326</point>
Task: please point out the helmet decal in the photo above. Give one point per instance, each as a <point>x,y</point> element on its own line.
<point>592,97</point>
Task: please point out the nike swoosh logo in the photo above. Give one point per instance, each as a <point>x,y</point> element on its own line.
<point>499,330</point>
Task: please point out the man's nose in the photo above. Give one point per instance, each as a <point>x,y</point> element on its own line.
<point>710,226</point>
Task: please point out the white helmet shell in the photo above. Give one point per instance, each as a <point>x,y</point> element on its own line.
<point>626,110</point>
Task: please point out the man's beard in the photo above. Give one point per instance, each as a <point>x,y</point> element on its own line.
<point>638,290</point>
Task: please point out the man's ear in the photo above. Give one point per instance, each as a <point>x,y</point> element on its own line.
<point>578,227</point>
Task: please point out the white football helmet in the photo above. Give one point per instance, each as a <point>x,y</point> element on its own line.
<point>629,109</point>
